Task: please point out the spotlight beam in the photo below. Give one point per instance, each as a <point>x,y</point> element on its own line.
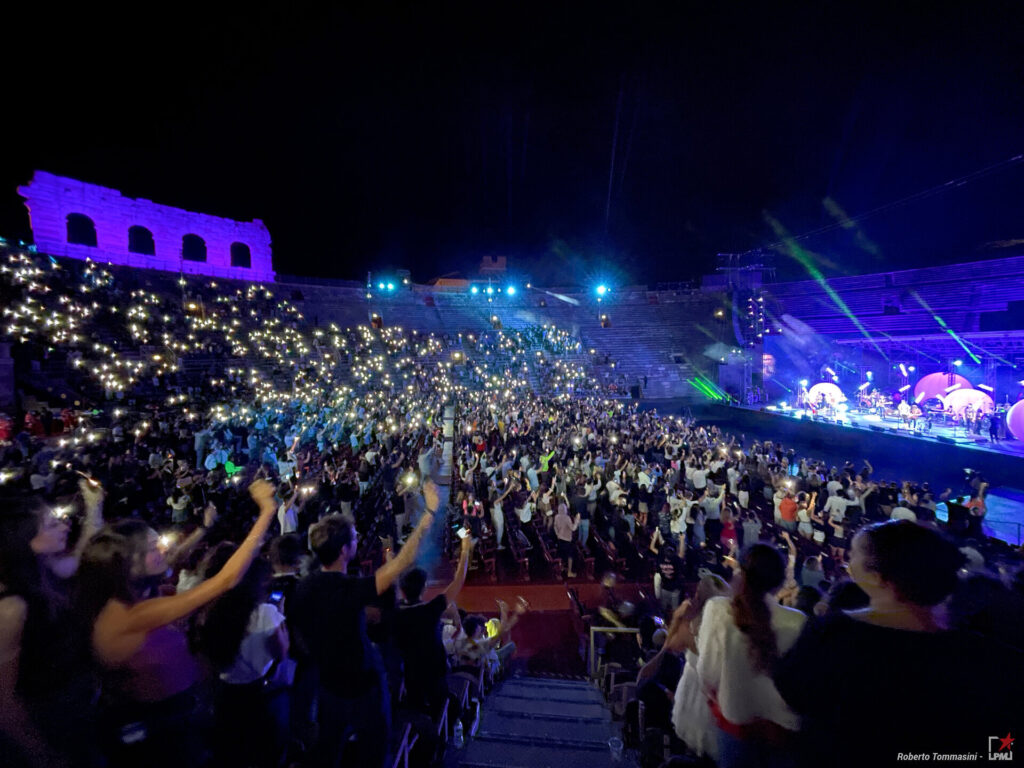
<point>562,297</point>
<point>802,257</point>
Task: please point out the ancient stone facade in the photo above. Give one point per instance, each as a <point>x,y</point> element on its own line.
<point>80,220</point>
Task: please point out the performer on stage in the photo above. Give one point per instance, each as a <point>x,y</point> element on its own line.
<point>915,414</point>
<point>903,409</point>
<point>801,398</point>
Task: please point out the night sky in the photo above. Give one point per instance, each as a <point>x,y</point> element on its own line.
<point>424,136</point>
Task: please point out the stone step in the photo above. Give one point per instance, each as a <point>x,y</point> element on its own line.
<point>552,710</point>
<point>498,727</point>
<point>491,753</point>
<point>560,690</point>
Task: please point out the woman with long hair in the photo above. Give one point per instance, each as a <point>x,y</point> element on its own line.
<point>740,640</point>
<point>890,677</point>
<point>152,683</point>
<point>691,717</point>
<point>41,669</point>
<point>29,610</point>
<point>244,637</point>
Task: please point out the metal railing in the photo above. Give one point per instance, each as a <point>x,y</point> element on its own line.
<point>592,657</point>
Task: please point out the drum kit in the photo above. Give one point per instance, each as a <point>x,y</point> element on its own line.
<point>876,402</point>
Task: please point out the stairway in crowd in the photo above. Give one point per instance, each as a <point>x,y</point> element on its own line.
<point>530,722</point>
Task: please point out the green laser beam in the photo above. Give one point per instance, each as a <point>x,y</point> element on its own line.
<point>804,259</point>
<point>942,324</point>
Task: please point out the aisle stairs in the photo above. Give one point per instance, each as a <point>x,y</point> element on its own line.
<point>531,722</point>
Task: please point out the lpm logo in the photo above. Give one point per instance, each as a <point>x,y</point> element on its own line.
<point>1000,747</point>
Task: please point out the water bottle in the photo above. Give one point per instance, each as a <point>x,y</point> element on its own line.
<point>457,736</point>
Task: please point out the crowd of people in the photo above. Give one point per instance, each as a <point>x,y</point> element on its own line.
<point>180,543</point>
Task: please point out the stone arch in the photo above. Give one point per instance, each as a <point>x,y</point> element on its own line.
<point>81,230</point>
<point>140,240</point>
<point>193,248</point>
<point>241,256</point>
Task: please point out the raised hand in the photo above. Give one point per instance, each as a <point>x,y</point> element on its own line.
<point>262,492</point>
<point>209,515</point>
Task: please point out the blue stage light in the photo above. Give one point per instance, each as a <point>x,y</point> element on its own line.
<point>489,290</point>
<point>511,290</point>
<point>601,289</point>
<point>474,289</point>
<point>958,363</point>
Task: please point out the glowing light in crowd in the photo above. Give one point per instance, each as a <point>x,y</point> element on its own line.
<point>904,388</point>
<point>903,369</point>
<point>958,363</point>
<point>865,385</point>
<point>804,382</point>
<point>986,387</point>
<point>954,386</point>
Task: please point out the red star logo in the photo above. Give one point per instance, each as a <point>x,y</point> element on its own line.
<point>1005,743</point>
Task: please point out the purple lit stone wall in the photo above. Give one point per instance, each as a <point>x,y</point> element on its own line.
<point>51,199</point>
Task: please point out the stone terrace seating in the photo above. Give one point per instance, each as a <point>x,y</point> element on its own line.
<point>959,293</point>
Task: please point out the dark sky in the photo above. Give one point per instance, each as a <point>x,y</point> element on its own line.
<point>424,135</point>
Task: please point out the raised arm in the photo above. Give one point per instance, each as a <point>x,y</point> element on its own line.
<point>459,581</point>
<point>92,495</point>
<point>388,573</point>
<point>120,628</point>
<point>184,547</point>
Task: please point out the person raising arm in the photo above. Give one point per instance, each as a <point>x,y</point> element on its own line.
<point>121,624</point>
<point>388,573</point>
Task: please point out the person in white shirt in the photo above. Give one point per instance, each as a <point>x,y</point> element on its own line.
<point>838,504</point>
<point>740,639</point>
<point>614,491</point>
<point>244,656</point>
<point>780,494</point>
<point>833,486</point>
<point>733,476</point>
<point>700,479</point>
<point>288,510</point>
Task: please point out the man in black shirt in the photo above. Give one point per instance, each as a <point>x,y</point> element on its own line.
<point>418,635</point>
<point>330,625</point>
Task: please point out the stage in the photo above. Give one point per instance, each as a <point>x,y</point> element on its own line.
<point>869,421</point>
<point>938,457</point>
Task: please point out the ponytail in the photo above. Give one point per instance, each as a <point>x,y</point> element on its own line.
<point>763,572</point>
